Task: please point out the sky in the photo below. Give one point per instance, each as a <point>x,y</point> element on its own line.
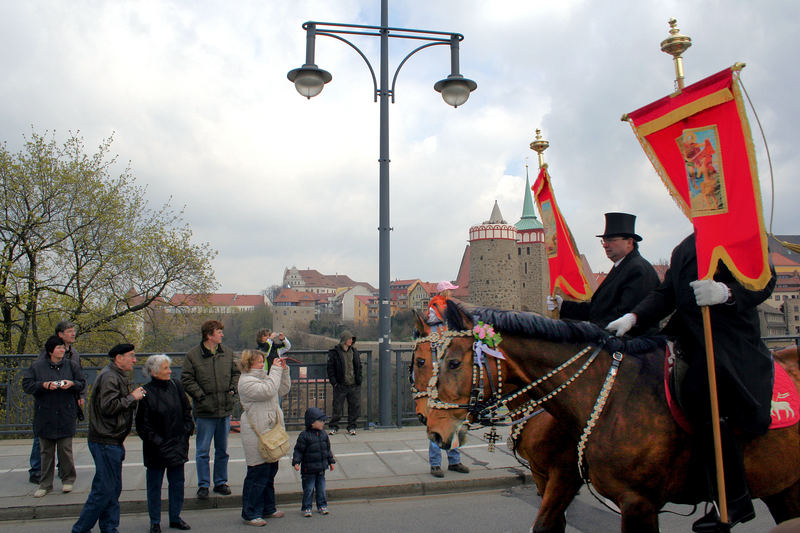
<point>196,96</point>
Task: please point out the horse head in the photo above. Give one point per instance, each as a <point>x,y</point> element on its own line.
<point>452,380</point>
<point>421,367</point>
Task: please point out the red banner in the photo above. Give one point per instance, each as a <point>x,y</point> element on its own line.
<point>699,142</point>
<point>562,254</point>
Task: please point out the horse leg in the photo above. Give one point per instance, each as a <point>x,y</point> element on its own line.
<point>558,493</point>
<point>784,505</point>
<point>639,515</point>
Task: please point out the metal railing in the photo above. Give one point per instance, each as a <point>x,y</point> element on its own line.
<point>310,388</point>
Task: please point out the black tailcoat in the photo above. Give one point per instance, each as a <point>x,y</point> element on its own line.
<point>744,365</point>
<point>624,287</point>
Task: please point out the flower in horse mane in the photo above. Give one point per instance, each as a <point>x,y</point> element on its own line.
<point>486,334</point>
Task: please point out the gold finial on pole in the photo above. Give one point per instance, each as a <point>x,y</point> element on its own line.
<point>539,146</point>
<point>675,45</point>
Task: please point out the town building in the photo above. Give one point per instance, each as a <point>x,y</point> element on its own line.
<point>215,303</point>
<point>504,265</point>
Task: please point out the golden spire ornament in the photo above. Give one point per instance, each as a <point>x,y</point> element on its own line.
<point>539,146</point>
<point>675,45</point>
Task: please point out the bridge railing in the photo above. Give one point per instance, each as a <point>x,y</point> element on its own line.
<point>308,370</point>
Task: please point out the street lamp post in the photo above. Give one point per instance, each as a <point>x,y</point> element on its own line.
<point>309,81</point>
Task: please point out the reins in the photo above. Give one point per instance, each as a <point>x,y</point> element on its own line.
<point>485,412</point>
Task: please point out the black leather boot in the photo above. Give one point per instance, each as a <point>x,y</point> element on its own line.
<point>740,505</point>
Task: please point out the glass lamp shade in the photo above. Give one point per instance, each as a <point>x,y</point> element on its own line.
<point>455,89</point>
<point>309,80</point>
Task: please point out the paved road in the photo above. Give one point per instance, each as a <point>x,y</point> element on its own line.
<point>498,511</point>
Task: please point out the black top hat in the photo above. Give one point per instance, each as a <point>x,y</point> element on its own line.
<point>622,225</point>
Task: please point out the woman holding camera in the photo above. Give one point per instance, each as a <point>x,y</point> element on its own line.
<point>258,393</point>
<point>164,423</point>
<point>56,384</point>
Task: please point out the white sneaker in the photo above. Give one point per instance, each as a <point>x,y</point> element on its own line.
<point>257,522</point>
<point>40,493</point>
<point>67,487</point>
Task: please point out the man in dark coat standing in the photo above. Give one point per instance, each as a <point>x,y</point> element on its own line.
<point>111,410</point>
<point>744,366</point>
<point>629,281</point>
<point>344,374</point>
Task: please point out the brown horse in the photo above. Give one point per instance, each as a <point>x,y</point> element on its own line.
<point>548,449</point>
<point>632,450</point>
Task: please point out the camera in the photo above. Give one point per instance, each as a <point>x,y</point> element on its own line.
<point>60,383</point>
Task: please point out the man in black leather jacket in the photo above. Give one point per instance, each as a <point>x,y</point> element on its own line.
<point>111,410</point>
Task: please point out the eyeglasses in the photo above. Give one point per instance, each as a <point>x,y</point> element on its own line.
<point>612,239</point>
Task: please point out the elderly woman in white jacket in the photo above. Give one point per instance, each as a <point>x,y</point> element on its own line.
<point>258,393</point>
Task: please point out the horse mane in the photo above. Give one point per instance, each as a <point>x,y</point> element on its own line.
<point>533,325</point>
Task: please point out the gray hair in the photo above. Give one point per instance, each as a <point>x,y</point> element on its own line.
<point>154,362</point>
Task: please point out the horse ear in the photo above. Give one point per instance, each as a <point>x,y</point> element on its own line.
<point>422,327</point>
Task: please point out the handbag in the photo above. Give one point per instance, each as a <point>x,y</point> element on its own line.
<point>274,443</point>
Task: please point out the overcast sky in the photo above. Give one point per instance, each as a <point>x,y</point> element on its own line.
<point>196,96</point>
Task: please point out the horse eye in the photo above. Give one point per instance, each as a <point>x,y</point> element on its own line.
<point>420,362</point>
<point>453,364</point>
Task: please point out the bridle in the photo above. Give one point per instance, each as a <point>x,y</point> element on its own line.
<point>484,411</point>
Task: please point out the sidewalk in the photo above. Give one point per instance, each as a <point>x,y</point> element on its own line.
<point>379,463</point>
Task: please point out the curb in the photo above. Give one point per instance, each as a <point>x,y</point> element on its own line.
<point>288,494</point>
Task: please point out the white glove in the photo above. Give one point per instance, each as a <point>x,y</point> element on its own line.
<point>554,302</point>
<point>710,292</point>
<point>622,325</point>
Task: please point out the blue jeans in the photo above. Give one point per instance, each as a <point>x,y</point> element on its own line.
<point>103,502</point>
<point>435,455</point>
<point>218,428</point>
<point>36,458</point>
<point>258,492</point>
<point>310,483</point>
<point>155,478</point>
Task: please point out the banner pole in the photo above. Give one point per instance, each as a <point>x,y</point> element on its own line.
<point>712,389</point>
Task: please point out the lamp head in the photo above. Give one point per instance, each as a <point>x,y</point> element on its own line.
<point>455,89</point>
<point>309,80</point>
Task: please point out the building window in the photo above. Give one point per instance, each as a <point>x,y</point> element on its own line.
<point>529,250</point>
<point>519,251</point>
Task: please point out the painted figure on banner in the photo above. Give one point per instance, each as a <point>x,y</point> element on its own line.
<point>550,231</point>
<point>700,149</point>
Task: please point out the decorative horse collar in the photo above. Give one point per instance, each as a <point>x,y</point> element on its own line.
<point>486,412</point>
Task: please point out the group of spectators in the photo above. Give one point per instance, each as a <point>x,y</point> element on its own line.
<point>165,420</point>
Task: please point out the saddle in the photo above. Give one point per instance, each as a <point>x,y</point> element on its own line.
<point>785,398</point>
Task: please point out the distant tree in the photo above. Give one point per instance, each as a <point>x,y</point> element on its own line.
<point>403,325</point>
<point>79,243</point>
<point>271,292</point>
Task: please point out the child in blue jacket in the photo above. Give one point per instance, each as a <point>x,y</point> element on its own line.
<point>313,453</point>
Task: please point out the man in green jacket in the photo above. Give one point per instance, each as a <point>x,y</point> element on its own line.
<point>210,377</point>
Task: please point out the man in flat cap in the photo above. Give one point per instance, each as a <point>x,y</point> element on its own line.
<point>111,409</point>
<point>630,280</point>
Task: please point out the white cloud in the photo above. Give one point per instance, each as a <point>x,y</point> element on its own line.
<point>197,96</point>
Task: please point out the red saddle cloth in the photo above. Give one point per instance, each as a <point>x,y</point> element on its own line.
<point>785,398</point>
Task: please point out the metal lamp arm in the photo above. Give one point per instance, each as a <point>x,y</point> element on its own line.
<point>369,65</point>
<point>397,71</point>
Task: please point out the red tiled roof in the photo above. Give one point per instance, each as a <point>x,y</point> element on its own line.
<point>429,287</point>
<point>781,260</point>
<point>314,278</point>
<point>248,300</point>
<point>203,300</point>
<point>293,296</point>
<point>217,300</point>
<point>462,279</point>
